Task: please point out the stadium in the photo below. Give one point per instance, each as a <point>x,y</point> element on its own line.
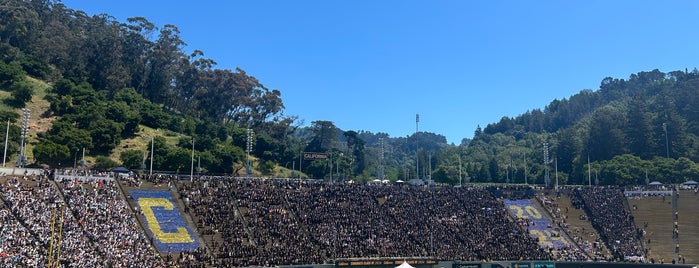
<point>78,218</point>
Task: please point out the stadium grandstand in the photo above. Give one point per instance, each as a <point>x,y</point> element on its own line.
<point>77,218</point>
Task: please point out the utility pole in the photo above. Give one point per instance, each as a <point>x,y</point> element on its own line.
<point>191,167</point>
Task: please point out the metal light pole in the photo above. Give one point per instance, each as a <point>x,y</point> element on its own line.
<point>417,148</point>
<point>460,169</point>
<point>199,165</point>
<point>546,163</point>
<point>589,172</point>
<point>7,133</point>
<point>556,170</point>
<point>667,144</point>
<point>337,163</point>
<point>381,160</point>
<point>152,142</point>
<point>75,159</point>
<point>191,168</point>
<point>331,166</point>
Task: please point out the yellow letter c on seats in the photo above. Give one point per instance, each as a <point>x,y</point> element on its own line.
<point>147,204</point>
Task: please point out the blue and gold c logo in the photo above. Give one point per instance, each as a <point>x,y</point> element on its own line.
<point>164,223</point>
<point>147,204</point>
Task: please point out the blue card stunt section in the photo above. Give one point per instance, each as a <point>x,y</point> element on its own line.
<point>163,221</point>
<point>541,228</point>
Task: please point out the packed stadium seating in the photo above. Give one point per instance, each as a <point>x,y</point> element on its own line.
<point>240,222</point>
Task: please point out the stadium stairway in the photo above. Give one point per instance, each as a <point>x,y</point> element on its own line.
<point>543,226</point>
<point>580,229</point>
<point>62,196</point>
<point>187,216</point>
<point>292,212</point>
<point>555,217</point>
<point>123,194</point>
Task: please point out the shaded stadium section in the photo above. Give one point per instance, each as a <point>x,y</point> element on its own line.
<point>163,221</point>
<point>538,225</point>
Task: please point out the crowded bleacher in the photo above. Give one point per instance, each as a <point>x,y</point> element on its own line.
<point>243,222</point>
<point>608,214</point>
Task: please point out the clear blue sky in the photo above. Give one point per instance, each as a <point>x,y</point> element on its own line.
<point>373,65</point>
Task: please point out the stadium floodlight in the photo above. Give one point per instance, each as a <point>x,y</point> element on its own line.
<point>248,149</point>
<point>7,134</point>
<point>22,158</point>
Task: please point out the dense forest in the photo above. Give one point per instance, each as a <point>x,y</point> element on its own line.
<point>110,82</point>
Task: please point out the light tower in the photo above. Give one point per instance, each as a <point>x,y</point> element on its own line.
<point>22,159</point>
<point>248,149</point>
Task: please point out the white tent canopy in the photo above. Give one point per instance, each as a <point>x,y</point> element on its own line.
<point>405,264</point>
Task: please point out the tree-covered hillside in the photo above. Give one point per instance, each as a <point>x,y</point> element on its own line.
<point>112,80</point>
<point>118,89</point>
<point>628,128</point>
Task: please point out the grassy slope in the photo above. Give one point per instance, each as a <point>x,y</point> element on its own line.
<point>37,107</point>
<point>40,122</point>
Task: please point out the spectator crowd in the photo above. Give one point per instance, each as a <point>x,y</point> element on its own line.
<point>72,224</point>
<point>279,221</point>
<point>270,222</point>
<point>614,222</point>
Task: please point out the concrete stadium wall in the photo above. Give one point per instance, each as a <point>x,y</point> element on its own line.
<point>20,171</point>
